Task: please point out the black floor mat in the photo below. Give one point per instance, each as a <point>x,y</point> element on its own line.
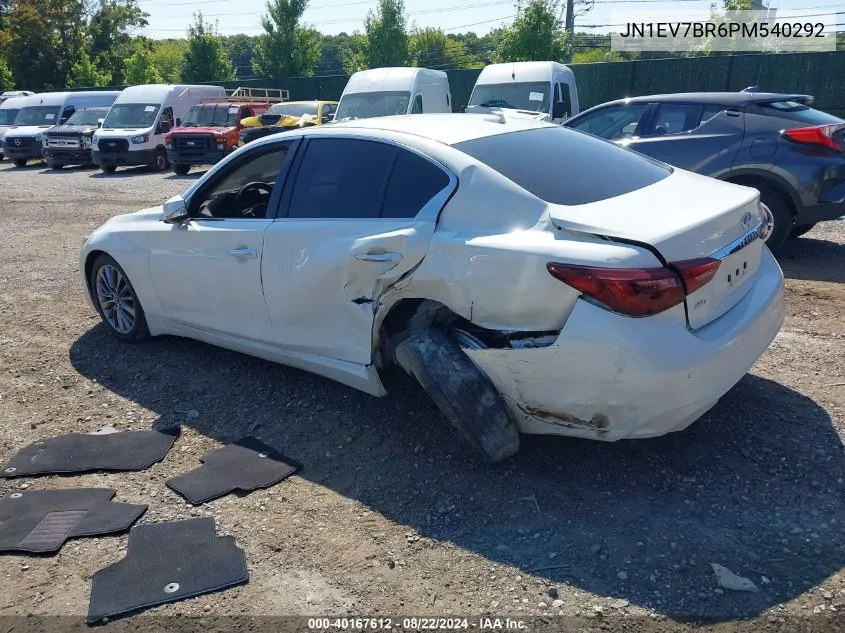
<point>79,452</point>
<point>245,465</point>
<point>40,521</point>
<point>166,562</point>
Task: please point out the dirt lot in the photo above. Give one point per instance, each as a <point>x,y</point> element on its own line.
<point>391,515</point>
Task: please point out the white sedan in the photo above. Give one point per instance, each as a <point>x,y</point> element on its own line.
<point>532,278</point>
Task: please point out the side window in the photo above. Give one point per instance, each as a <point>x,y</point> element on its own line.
<point>244,113</point>
<point>328,110</point>
<point>418,105</point>
<point>341,178</point>
<point>67,113</point>
<point>245,192</point>
<point>710,112</point>
<point>613,122</point>
<point>413,182</point>
<point>674,118</point>
<point>564,98</point>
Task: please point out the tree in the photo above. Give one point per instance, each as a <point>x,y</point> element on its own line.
<point>387,37</point>
<point>286,49</point>
<point>30,53</point>
<point>431,48</point>
<point>85,74</point>
<point>140,69</point>
<point>7,81</point>
<point>354,54</point>
<point>536,35</point>
<point>109,28</point>
<point>205,58</point>
<point>241,50</point>
<point>168,57</point>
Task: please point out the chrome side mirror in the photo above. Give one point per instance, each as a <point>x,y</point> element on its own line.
<point>175,210</point>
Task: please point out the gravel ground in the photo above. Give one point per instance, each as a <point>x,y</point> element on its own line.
<point>391,515</point>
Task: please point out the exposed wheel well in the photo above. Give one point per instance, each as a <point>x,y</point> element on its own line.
<point>769,183</point>
<point>400,317</point>
<point>89,267</point>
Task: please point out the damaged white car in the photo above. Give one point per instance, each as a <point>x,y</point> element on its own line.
<point>533,279</point>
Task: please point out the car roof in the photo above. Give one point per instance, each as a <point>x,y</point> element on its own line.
<point>717,98</point>
<point>448,129</point>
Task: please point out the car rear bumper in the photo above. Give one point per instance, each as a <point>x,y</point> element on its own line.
<point>820,212</point>
<point>208,157</point>
<point>609,377</point>
<point>67,156</point>
<point>124,159</point>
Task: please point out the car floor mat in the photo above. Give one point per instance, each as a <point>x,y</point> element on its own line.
<point>244,465</point>
<point>80,452</point>
<point>167,562</point>
<point>40,521</point>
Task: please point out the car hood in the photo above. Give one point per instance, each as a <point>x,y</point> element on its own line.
<point>65,129</point>
<point>27,130</point>
<point>203,129</point>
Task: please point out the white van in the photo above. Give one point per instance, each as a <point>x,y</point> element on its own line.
<point>22,141</point>
<point>388,91</point>
<point>134,129</point>
<point>15,93</point>
<point>539,90</point>
<point>8,111</point>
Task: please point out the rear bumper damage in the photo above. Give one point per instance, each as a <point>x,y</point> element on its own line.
<point>609,377</point>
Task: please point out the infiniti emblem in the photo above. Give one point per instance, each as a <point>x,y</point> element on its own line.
<point>747,218</point>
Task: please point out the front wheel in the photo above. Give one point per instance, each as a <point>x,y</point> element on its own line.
<point>116,301</point>
<point>779,220</point>
<point>19,162</point>
<point>462,392</point>
<point>108,169</point>
<point>52,165</point>
<point>180,170</point>
<point>159,161</point>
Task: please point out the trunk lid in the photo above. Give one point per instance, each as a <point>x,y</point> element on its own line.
<point>680,218</point>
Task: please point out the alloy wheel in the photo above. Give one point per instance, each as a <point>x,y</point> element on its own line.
<point>116,299</point>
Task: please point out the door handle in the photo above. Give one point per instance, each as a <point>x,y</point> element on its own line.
<point>393,258</point>
<point>244,253</point>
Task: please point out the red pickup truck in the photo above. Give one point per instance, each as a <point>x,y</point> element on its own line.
<point>211,130</point>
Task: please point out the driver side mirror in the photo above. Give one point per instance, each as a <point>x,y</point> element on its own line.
<point>175,210</point>
<point>559,110</point>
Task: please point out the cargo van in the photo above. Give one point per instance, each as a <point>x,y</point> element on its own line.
<point>390,91</point>
<point>15,93</point>
<point>134,130</point>
<point>8,111</point>
<point>40,112</point>
<point>537,90</point>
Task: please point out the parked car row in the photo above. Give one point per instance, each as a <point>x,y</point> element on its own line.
<point>777,143</point>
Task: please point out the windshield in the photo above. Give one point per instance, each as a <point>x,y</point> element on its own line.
<point>86,117</point>
<point>7,116</point>
<point>212,115</point>
<point>38,115</point>
<point>532,96</point>
<point>131,115</point>
<point>364,105</point>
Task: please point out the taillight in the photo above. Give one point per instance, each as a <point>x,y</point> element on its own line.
<point>817,135</point>
<point>696,273</point>
<point>636,292</point>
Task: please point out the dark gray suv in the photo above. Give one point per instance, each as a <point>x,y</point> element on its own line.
<point>777,143</point>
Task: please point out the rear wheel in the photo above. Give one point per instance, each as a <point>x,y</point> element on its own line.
<point>462,392</point>
<point>116,301</point>
<point>52,165</point>
<point>19,162</point>
<point>801,229</point>
<point>180,169</point>
<point>109,169</point>
<point>780,220</point>
<point>159,161</point>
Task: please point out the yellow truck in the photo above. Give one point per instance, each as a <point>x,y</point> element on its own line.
<point>286,116</point>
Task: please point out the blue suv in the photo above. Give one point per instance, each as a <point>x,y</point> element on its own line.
<point>793,154</point>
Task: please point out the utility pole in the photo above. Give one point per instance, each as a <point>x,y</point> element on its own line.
<point>569,28</point>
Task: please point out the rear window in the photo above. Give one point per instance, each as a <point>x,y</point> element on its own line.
<point>795,111</point>
<point>563,166</point>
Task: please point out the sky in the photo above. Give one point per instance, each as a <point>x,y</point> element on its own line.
<point>171,18</point>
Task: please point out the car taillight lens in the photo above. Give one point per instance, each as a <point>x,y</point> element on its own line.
<point>696,273</point>
<point>636,292</point>
<point>817,135</point>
